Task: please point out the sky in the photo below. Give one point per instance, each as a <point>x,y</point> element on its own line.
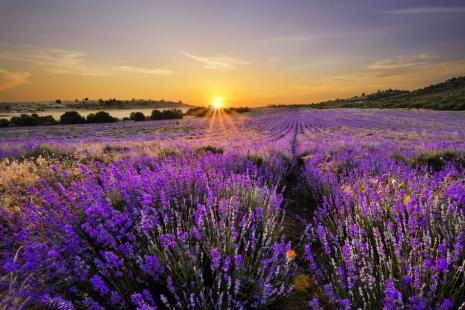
<point>248,52</point>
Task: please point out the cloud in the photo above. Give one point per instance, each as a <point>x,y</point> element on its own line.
<point>10,79</point>
<point>428,10</point>
<point>402,63</point>
<point>220,62</point>
<point>62,61</point>
<point>139,70</point>
<point>293,38</point>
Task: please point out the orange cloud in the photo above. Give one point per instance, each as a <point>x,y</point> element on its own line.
<point>10,79</point>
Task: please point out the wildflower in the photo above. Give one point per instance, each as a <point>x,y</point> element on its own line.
<point>115,298</point>
<point>314,304</point>
<point>406,199</point>
<point>216,258</point>
<point>52,253</point>
<point>98,285</point>
<point>446,304</point>
<point>290,255</point>
<point>238,259</point>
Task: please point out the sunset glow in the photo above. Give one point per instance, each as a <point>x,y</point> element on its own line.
<point>251,52</point>
<point>218,102</point>
<point>266,154</point>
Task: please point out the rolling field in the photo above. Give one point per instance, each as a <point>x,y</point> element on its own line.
<point>279,209</point>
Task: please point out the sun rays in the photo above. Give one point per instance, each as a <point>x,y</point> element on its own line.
<point>219,122</point>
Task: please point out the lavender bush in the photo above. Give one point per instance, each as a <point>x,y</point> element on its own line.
<point>178,234</point>
<point>390,237</point>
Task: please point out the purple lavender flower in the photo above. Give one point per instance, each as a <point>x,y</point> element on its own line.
<point>98,285</point>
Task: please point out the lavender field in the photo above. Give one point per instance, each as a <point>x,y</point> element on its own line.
<point>276,209</point>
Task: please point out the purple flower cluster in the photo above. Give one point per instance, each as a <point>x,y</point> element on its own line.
<point>152,216</point>
<point>387,233</point>
<point>198,231</point>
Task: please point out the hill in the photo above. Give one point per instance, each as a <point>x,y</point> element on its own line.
<point>449,95</point>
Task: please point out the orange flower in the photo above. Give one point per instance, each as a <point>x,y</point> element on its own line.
<point>290,254</point>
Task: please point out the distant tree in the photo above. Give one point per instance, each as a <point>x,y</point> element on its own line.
<point>100,117</point>
<point>86,99</point>
<point>240,109</point>
<point>47,120</point>
<point>32,120</point>
<point>137,116</point>
<point>172,114</point>
<point>25,120</point>
<point>72,117</point>
<point>198,111</point>
<point>166,114</point>
<point>58,101</point>
<point>156,115</point>
<point>4,122</point>
<point>101,101</point>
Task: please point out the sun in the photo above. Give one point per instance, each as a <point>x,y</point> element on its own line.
<point>218,102</point>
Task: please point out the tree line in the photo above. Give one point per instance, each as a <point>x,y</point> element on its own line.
<point>73,117</point>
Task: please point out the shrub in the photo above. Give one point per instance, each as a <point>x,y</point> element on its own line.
<point>4,122</point>
<point>386,240</point>
<point>47,120</point>
<point>209,148</point>
<point>72,117</point>
<point>167,153</point>
<point>435,160</point>
<point>101,117</point>
<point>255,158</point>
<point>114,149</point>
<point>240,109</point>
<point>46,151</point>
<point>170,235</point>
<point>25,120</point>
<point>166,114</point>
<point>137,116</point>
<point>32,120</point>
<point>198,111</point>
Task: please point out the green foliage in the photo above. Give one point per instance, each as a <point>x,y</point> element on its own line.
<point>137,116</point>
<point>198,111</point>
<point>4,122</point>
<point>255,158</point>
<point>167,153</point>
<point>400,157</point>
<point>240,109</point>
<point>101,117</point>
<point>72,117</point>
<point>107,149</point>
<point>32,120</point>
<point>434,160</point>
<point>208,148</point>
<point>46,151</point>
<point>166,114</point>
<point>204,111</point>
